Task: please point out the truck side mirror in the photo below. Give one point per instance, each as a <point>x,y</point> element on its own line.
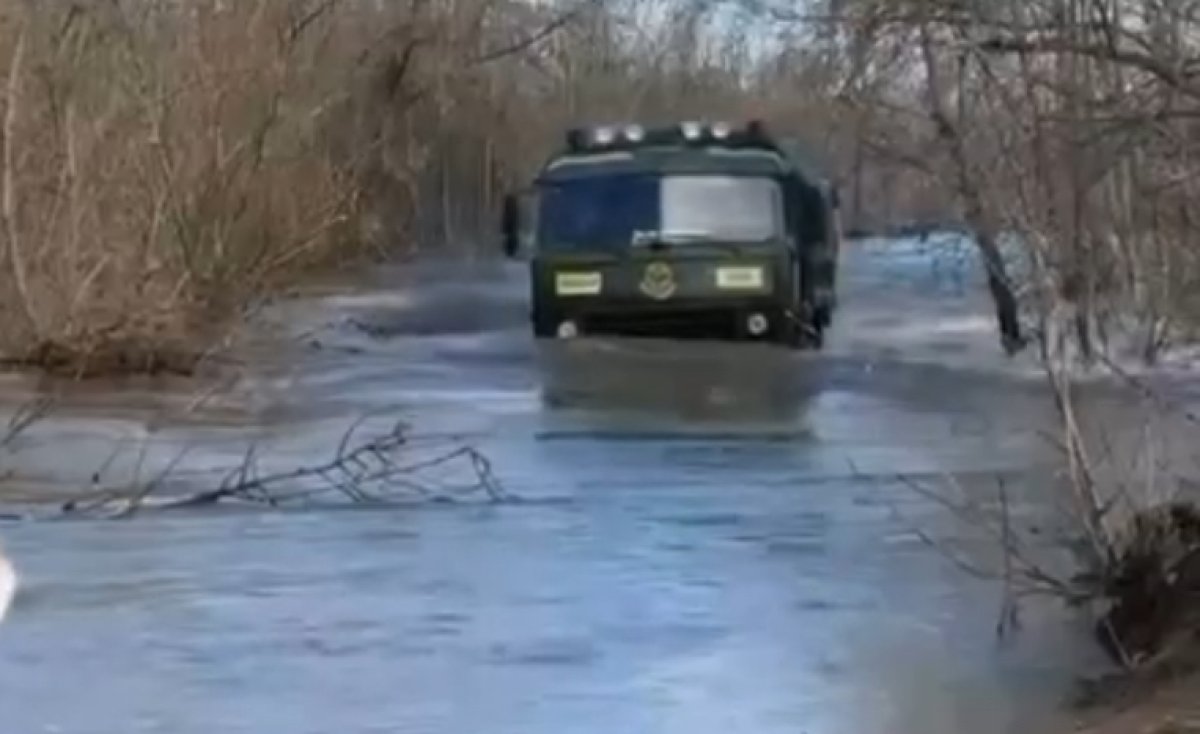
<point>510,225</point>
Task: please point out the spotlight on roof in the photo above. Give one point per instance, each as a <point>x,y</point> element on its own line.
<point>604,135</point>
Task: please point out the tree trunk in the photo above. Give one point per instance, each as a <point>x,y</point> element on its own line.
<point>972,197</point>
<point>1005,300</point>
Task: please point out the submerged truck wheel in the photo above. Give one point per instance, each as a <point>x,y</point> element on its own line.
<point>545,322</point>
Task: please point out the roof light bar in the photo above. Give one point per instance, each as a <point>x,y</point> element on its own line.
<point>627,135</point>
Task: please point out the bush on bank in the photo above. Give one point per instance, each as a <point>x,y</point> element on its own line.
<point>161,167</point>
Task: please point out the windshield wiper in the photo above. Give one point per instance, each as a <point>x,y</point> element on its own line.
<point>684,237</point>
<point>665,240</point>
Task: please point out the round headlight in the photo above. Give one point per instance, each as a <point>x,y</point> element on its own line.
<point>635,133</point>
<point>691,130</point>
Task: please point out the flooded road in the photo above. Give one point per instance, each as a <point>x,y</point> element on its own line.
<point>702,538</point>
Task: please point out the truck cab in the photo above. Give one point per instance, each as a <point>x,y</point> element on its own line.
<point>691,227</point>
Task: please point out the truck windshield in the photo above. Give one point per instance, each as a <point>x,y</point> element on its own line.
<point>598,211</point>
<point>720,208</point>
<point>618,211</point>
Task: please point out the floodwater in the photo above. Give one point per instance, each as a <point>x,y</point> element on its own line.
<point>694,538</point>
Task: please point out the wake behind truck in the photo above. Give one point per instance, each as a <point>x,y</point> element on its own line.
<point>687,227</point>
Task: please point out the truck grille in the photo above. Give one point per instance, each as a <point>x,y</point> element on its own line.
<point>694,324</point>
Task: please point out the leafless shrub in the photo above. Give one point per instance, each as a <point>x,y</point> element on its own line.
<point>163,166</point>
<point>1132,537</point>
<point>1066,126</point>
<point>159,169</point>
<point>1019,568</point>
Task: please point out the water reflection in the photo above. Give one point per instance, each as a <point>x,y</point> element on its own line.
<point>677,381</point>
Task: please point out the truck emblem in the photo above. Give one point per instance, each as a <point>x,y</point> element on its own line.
<point>658,281</point>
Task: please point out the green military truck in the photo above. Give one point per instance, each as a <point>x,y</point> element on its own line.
<point>689,228</point>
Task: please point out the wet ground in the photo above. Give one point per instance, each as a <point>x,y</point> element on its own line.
<point>702,538</point>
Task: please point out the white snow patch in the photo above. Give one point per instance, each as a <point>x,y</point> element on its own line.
<point>371,299</point>
<point>927,302</point>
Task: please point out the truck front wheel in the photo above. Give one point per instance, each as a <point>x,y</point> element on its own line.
<point>545,322</point>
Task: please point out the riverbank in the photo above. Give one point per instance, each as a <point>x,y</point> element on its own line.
<point>1169,708</point>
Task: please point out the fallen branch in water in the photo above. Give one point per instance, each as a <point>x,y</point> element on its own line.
<point>385,469</point>
<point>25,416</point>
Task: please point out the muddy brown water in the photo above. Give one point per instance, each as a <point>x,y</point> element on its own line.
<point>708,538</point>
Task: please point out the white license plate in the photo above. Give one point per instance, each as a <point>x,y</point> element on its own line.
<point>577,284</point>
<point>740,277</point>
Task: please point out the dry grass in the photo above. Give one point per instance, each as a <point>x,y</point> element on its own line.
<point>160,168</point>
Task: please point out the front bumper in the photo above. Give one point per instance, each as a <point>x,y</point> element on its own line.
<point>691,318</point>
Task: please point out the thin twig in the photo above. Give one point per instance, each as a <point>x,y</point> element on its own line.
<point>372,471</point>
